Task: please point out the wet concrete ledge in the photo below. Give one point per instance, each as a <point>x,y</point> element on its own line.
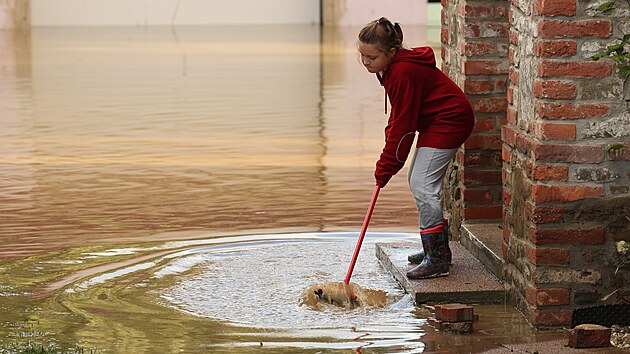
<point>484,242</point>
<point>469,282</point>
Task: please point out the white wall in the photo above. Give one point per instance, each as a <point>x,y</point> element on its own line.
<point>172,12</point>
<point>360,12</point>
<point>434,14</point>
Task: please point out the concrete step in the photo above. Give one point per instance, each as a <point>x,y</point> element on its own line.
<point>484,241</point>
<point>469,281</point>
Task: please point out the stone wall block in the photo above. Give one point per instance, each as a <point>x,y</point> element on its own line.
<point>618,151</point>
<point>591,47</point>
<point>524,6</point>
<point>489,104</point>
<point>562,275</point>
<point>599,90</point>
<point>594,174</point>
<point>620,10</point>
<point>615,127</point>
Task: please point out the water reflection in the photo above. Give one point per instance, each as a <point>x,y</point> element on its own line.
<point>117,134</point>
<point>122,147</point>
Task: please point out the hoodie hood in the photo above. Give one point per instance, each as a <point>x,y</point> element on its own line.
<point>420,55</point>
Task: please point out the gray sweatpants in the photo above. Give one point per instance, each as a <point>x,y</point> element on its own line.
<point>426,174</point>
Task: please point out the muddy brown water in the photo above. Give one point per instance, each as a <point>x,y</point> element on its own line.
<point>177,189</point>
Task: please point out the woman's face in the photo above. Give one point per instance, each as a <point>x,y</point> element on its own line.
<point>373,58</point>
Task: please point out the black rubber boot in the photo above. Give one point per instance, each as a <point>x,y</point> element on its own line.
<point>434,263</point>
<point>416,258</point>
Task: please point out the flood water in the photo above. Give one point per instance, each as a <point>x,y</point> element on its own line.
<point>176,189</point>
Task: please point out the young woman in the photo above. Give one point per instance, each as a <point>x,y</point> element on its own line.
<point>424,100</point>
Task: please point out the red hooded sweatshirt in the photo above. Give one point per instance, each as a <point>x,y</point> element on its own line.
<point>423,100</point>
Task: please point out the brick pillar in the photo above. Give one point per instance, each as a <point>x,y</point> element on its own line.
<point>474,53</point>
<point>565,160</point>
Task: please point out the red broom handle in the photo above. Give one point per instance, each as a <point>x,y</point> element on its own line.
<point>368,215</point>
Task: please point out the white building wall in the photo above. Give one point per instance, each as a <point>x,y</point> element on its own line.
<point>25,13</point>
<point>172,12</point>
<point>360,12</point>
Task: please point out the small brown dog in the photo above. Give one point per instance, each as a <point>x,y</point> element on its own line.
<point>343,295</point>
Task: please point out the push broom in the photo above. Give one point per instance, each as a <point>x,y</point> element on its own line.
<point>341,294</point>
<point>366,221</point>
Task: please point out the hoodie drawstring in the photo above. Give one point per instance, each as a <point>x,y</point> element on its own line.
<point>379,76</point>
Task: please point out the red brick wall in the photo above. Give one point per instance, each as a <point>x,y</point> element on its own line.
<point>559,128</point>
<point>474,52</point>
